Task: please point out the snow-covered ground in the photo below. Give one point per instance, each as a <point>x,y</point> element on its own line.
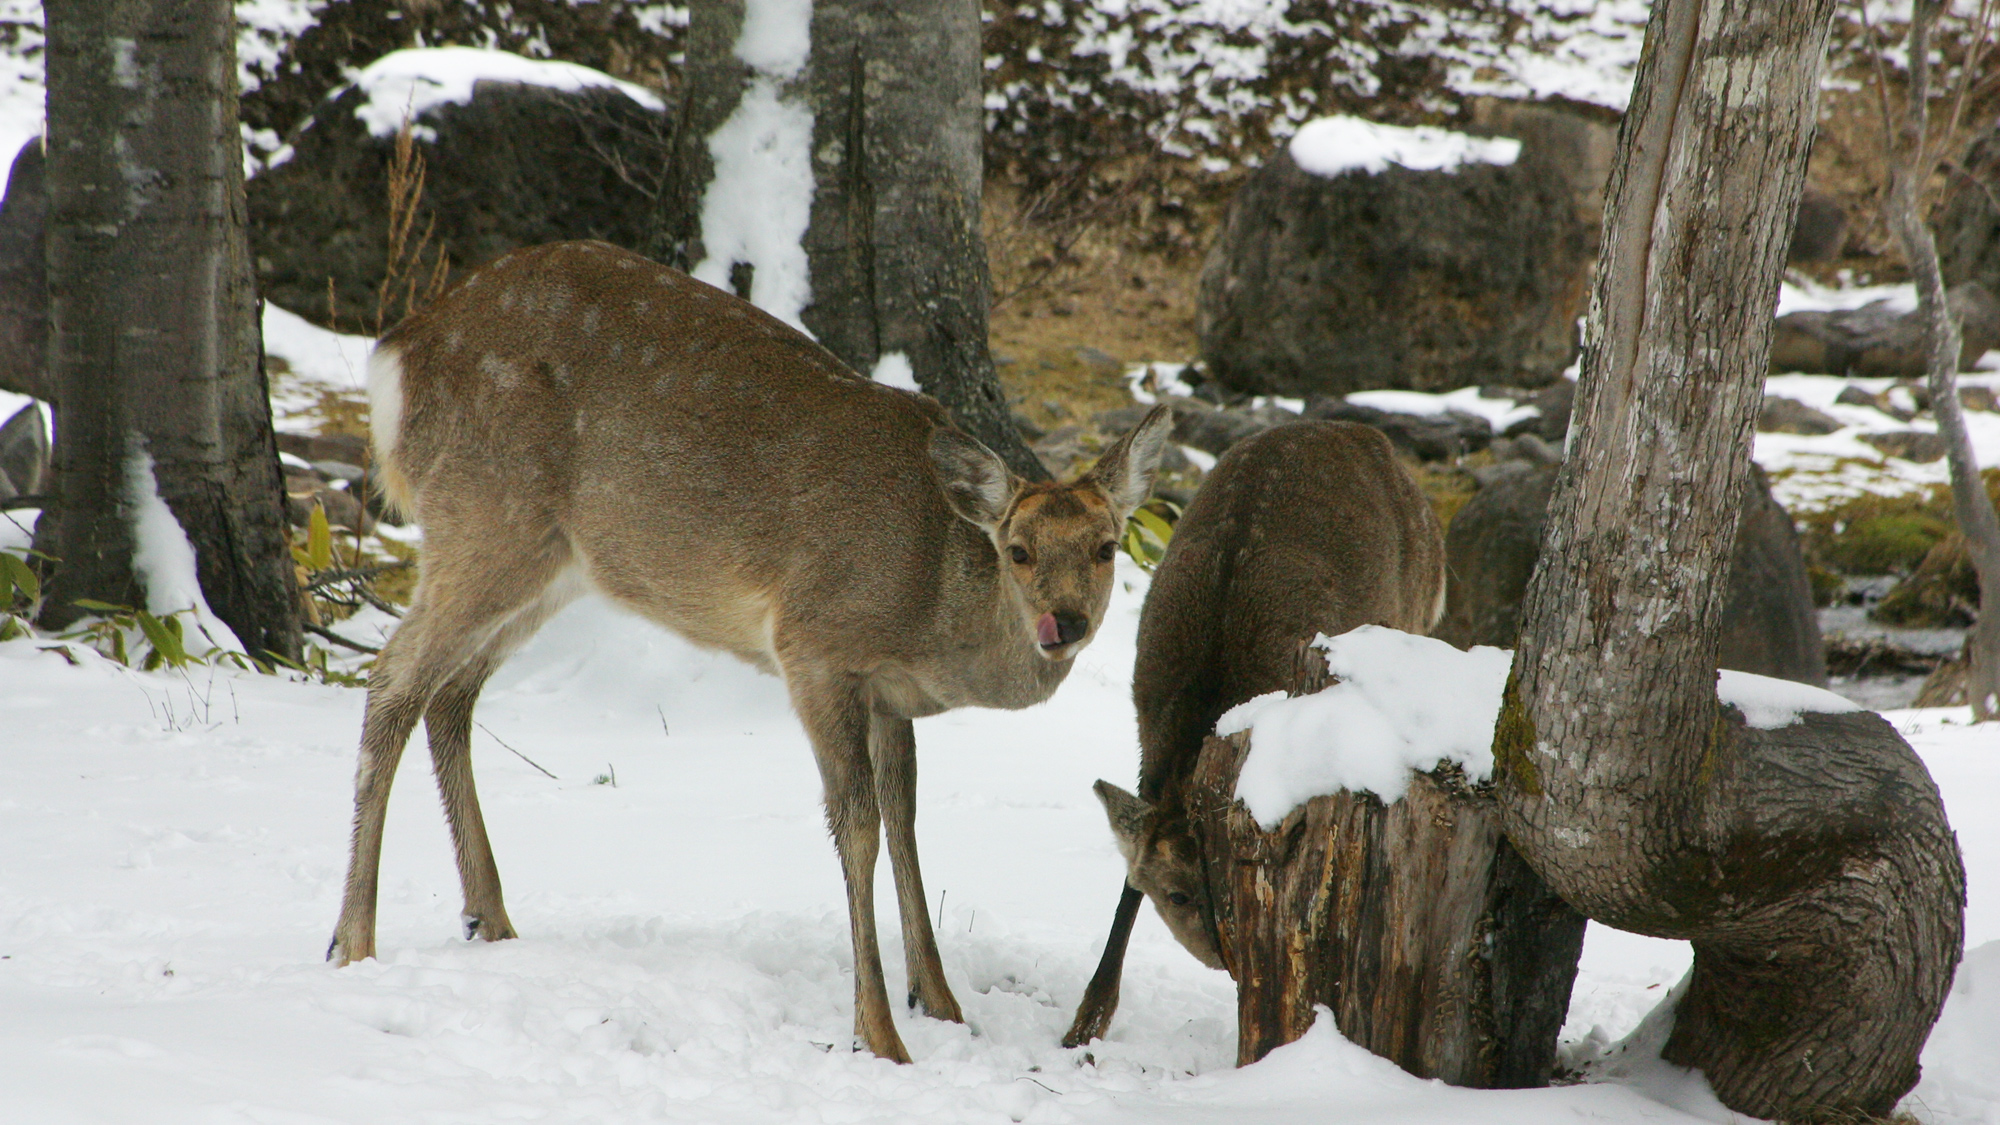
<point>175,846</point>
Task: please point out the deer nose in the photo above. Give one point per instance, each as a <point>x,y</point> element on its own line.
<point>1069,628</point>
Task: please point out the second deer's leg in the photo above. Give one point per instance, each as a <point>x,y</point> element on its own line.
<point>892,749</point>
<point>1100,997</point>
<point>836,719</point>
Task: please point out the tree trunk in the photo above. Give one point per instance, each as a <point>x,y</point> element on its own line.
<point>154,338</point>
<point>1970,504</point>
<point>1810,866</point>
<point>1432,943</point>
<point>897,260</point>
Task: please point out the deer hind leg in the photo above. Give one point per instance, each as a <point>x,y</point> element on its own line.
<point>892,749</point>
<point>836,720</point>
<point>456,618</point>
<point>448,723</point>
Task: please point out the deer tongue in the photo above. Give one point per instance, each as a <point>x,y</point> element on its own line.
<point>1047,632</point>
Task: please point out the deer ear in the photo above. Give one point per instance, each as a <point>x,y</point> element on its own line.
<point>977,483</point>
<point>1126,470</point>
<point>1129,816</point>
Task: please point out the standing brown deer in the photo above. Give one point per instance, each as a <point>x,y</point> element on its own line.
<point>574,417</point>
<point>1308,528</point>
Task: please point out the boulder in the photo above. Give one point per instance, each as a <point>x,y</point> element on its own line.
<point>24,284</point>
<point>1909,445</point>
<point>1425,280</point>
<point>1769,626</point>
<point>24,453</point>
<point>1876,341</point>
<point>1819,229</point>
<point>1941,593</point>
<point>1427,437</point>
<point>1968,217</point>
<point>515,166</point>
<point>1790,416</point>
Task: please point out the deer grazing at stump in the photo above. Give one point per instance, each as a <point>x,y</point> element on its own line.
<point>1308,528</point>
<point>574,417</point>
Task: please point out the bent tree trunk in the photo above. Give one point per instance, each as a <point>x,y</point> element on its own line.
<point>1810,866</point>
<point>895,252</point>
<point>153,335</point>
<point>1433,944</point>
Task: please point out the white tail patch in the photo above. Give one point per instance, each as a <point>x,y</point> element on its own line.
<point>385,423</point>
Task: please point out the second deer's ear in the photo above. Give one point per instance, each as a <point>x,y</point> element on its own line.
<point>1129,816</point>
<point>1126,470</point>
<point>977,483</point>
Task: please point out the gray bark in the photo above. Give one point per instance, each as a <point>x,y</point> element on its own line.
<point>1970,504</point>
<point>1811,867</point>
<point>896,256</point>
<point>154,341</point>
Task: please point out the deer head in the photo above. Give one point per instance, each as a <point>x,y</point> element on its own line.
<point>1163,860</point>
<point>1055,543</point>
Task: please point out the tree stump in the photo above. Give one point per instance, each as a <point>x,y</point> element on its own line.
<point>1434,945</point>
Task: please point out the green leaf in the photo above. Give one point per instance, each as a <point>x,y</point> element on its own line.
<point>165,637</point>
<point>1161,529</point>
<point>96,606</point>
<point>319,540</point>
<point>118,652</point>
<point>21,577</point>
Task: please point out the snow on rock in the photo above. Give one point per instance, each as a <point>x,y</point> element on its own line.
<point>1500,413</point>
<point>756,209</point>
<point>1769,704</point>
<point>411,83</point>
<point>1333,145</point>
<point>1406,703</point>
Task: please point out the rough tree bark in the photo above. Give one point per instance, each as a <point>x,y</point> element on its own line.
<point>1811,866</point>
<point>1910,168</point>
<point>154,346</point>
<point>896,255</point>
<point>1430,940</point>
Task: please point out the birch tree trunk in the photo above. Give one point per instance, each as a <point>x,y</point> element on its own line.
<point>154,346</point>
<point>1811,866</point>
<point>1970,504</point>
<point>896,254</point>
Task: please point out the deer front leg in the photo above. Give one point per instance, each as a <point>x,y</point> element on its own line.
<point>1100,997</point>
<point>836,720</point>
<point>892,747</point>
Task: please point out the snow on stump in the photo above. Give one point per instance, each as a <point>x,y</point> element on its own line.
<point>1434,945</point>
<point>1354,859</point>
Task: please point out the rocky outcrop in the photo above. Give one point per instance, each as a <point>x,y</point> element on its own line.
<point>1768,625</point>
<point>1877,341</point>
<point>1968,218</point>
<point>516,166</point>
<point>24,278</point>
<point>1426,280</point>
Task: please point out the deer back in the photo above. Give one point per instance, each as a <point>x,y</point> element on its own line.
<point>1312,527</point>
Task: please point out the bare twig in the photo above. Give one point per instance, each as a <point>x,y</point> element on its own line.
<point>516,753</point>
<point>322,631</point>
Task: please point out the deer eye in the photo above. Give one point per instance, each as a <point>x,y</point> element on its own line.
<point>1107,552</point>
<point>1179,899</point>
<point>1019,554</point>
